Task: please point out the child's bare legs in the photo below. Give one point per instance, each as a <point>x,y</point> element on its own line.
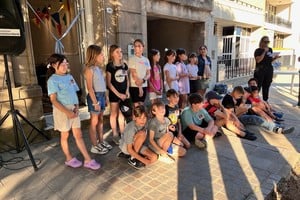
<point>230,126</point>
<point>65,145</point>
<point>100,127</point>
<point>139,140</point>
<point>92,129</point>
<point>185,142</point>
<point>141,92</point>
<point>114,110</point>
<point>182,100</point>
<point>165,141</point>
<point>202,92</point>
<point>211,131</point>
<point>121,121</point>
<point>80,144</point>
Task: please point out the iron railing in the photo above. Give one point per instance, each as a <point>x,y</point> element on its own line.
<point>234,68</point>
<point>277,20</point>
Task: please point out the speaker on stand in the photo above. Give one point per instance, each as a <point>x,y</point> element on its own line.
<point>12,42</point>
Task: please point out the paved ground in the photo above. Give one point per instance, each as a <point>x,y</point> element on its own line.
<point>230,168</point>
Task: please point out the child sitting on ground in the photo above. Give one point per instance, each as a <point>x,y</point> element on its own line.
<point>160,137</point>
<point>192,118</point>
<point>132,141</point>
<point>173,113</point>
<point>257,102</point>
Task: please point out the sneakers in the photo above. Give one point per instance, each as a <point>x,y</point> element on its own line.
<point>92,165</point>
<point>123,155</point>
<point>201,144</point>
<point>135,163</point>
<point>106,145</point>
<point>288,130</point>
<point>278,130</point>
<point>74,163</point>
<point>166,159</point>
<point>249,136</point>
<point>99,149</point>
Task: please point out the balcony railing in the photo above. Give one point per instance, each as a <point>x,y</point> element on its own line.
<point>233,68</point>
<point>277,20</point>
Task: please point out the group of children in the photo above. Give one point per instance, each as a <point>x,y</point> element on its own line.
<point>171,128</point>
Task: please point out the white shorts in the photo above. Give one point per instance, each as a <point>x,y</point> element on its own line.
<point>153,95</point>
<point>62,123</point>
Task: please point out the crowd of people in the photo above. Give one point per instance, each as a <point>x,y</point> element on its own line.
<point>162,132</point>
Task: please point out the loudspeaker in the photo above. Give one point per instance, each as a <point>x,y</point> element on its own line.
<point>12,38</point>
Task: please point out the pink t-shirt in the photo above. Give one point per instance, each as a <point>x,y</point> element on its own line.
<point>155,78</point>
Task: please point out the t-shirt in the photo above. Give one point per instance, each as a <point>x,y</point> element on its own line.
<point>141,65</point>
<point>155,78</point>
<point>192,69</point>
<point>189,117</point>
<point>119,75</point>
<point>173,113</point>
<point>65,88</point>
<point>158,127</point>
<point>128,136</point>
<point>183,82</point>
<point>99,84</point>
<point>266,63</point>
<point>171,68</point>
<point>211,109</point>
<point>254,99</point>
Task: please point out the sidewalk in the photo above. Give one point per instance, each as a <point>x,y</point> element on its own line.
<point>231,168</point>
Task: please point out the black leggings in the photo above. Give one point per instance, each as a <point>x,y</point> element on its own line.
<point>264,78</point>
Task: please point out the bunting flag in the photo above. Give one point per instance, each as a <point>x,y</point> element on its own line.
<point>64,18</point>
<point>38,17</point>
<point>45,12</point>
<point>56,19</point>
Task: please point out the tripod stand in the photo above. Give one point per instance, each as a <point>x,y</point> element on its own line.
<point>17,127</point>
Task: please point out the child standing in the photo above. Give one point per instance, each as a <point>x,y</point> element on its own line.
<point>62,92</point>
<point>160,137</point>
<point>183,82</point>
<point>96,98</point>
<point>173,113</point>
<point>139,68</point>
<point>118,86</point>
<point>192,68</point>
<point>170,72</point>
<point>133,138</point>
<point>155,81</point>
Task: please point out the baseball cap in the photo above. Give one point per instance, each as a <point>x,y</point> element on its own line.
<point>212,95</point>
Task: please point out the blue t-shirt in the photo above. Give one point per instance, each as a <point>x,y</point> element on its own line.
<point>189,117</point>
<point>65,87</point>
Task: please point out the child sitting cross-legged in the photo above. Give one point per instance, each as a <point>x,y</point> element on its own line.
<point>132,141</point>
<point>161,138</point>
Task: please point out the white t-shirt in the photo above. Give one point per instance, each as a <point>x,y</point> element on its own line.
<point>141,65</point>
<point>171,68</point>
<point>192,69</point>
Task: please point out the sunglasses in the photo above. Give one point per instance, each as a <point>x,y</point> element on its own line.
<point>266,41</point>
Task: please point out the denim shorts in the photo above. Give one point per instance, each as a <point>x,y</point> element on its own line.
<point>100,96</point>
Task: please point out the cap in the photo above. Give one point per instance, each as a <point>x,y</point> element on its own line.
<point>212,95</point>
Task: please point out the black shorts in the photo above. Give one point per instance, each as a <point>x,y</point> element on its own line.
<point>134,94</point>
<point>113,97</point>
<point>190,134</point>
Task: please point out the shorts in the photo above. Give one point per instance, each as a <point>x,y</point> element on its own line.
<point>153,95</point>
<point>190,134</point>
<point>62,123</point>
<point>113,98</point>
<point>134,94</point>
<point>194,86</point>
<point>100,96</point>
<point>204,84</point>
